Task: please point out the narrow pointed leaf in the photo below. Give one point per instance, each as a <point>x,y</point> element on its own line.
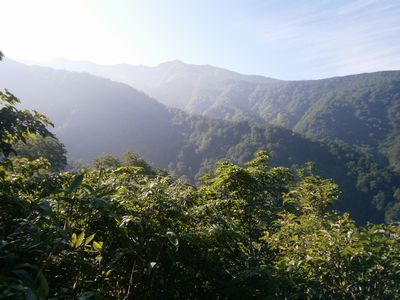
<point>89,238</point>
<point>80,239</point>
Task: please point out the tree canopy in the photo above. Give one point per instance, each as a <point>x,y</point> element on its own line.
<point>17,125</point>
<point>48,147</point>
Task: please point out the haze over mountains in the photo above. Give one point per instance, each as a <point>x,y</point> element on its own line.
<point>96,116</point>
<point>173,83</point>
<point>360,110</point>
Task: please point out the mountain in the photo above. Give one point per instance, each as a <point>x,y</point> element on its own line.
<point>96,116</point>
<point>93,116</point>
<point>361,110</point>
<point>173,83</point>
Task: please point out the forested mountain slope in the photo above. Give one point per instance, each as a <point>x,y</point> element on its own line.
<point>95,116</point>
<point>361,110</point>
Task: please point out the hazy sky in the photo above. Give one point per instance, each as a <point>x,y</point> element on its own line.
<point>283,39</point>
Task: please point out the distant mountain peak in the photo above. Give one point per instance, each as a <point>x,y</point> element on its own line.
<point>171,62</point>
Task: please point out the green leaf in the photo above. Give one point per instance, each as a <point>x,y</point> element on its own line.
<point>89,238</point>
<point>46,209</point>
<point>98,246</point>
<point>73,240</point>
<point>80,239</point>
<point>76,183</point>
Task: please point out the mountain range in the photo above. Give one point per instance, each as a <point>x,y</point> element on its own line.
<point>96,116</point>
<point>361,110</point>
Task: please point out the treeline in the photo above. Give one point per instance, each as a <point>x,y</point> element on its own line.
<point>126,230</point>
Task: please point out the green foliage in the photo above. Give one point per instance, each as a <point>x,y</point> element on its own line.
<point>246,232</point>
<point>48,147</point>
<point>134,160</point>
<point>325,255</point>
<point>106,162</point>
<point>17,125</point>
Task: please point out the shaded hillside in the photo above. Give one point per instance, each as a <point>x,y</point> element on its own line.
<point>361,110</point>
<point>95,116</point>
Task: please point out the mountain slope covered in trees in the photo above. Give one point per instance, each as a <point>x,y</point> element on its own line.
<point>96,116</point>
<point>125,233</point>
<point>361,110</point>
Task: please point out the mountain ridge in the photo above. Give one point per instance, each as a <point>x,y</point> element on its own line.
<point>58,61</point>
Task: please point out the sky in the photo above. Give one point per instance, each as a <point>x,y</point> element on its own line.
<point>289,40</point>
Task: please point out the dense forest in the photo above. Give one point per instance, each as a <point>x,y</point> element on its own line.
<point>109,118</point>
<point>126,230</point>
